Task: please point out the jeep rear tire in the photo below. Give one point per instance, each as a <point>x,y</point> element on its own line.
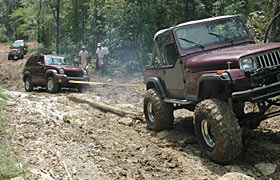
<point>52,86</point>
<point>217,130</point>
<point>10,57</point>
<point>28,86</point>
<point>158,114</point>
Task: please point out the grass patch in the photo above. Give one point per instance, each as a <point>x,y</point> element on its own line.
<point>8,166</point>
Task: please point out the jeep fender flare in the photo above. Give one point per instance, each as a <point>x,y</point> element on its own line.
<point>214,80</point>
<point>50,72</point>
<point>154,82</point>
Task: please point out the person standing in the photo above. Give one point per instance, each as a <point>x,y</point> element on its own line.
<point>103,45</point>
<point>106,51</point>
<point>100,56</point>
<point>83,57</point>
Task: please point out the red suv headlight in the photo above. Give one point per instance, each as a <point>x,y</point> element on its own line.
<point>61,71</point>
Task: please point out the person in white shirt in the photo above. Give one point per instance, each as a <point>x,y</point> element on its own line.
<point>83,57</point>
<point>105,49</point>
<point>100,56</point>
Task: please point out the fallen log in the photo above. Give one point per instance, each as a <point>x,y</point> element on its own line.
<point>108,108</point>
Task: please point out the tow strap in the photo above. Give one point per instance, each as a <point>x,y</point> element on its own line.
<point>111,84</point>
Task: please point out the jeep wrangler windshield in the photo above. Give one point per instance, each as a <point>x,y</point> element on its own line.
<point>202,34</point>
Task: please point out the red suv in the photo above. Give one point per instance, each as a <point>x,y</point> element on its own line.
<point>52,72</point>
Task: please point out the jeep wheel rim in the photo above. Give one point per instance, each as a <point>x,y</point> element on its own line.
<point>50,85</point>
<point>207,134</point>
<point>27,84</point>
<point>150,112</point>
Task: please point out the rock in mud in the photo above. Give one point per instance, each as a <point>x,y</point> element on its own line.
<point>235,176</point>
<point>17,178</point>
<point>266,168</point>
<point>162,134</point>
<point>234,168</point>
<point>126,121</point>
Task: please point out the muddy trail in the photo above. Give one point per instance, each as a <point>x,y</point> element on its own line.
<point>57,138</point>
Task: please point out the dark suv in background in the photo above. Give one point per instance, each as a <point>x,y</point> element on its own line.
<point>17,50</point>
<point>52,72</point>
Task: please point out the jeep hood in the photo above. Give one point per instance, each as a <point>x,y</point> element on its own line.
<point>72,68</point>
<point>218,59</point>
<point>66,68</point>
<point>15,49</point>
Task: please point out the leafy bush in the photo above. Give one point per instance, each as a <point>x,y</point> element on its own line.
<point>3,31</point>
<point>41,49</point>
<point>257,24</point>
<point>132,67</point>
<point>8,167</point>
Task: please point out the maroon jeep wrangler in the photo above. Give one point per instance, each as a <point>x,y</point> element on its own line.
<point>214,68</point>
<point>52,72</point>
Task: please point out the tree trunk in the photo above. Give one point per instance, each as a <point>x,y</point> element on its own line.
<point>108,108</point>
<point>39,22</point>
<point>273,28</point>
<point>57,26</point>
<point>56,14</point>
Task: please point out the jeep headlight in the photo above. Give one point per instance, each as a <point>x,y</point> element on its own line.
<point>85,72</point>
<point>247,64</point>
<point>61,71</point>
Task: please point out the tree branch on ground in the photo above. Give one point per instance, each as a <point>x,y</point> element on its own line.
<point>108,108</point>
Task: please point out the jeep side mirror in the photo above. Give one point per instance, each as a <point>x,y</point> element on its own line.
<point>40,63</point>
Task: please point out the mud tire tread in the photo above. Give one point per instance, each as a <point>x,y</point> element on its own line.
<point>163,112</point>
<point>55,86</point>
<point>225,128</point>
<point>27,79</point>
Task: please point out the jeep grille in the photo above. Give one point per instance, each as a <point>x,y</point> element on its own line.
<point>74,73</point>
<point>269,60</point>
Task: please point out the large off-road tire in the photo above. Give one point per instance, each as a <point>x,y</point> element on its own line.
<point>28,86</point>
<point>158,114</point>
<point>52,86</point>
<point>10,57</point>
<point>217,130</point>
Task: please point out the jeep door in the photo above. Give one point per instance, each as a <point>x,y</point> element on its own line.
<point>171,65</point>
<point>32,63</point>
<point>40,70</point>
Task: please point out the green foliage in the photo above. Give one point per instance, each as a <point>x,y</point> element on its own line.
<point>257,24</point>
<point>127,26</point>
<point>8,167</point>
<point>41,49</point>
<point>3,31</point>
<point>24,20</point>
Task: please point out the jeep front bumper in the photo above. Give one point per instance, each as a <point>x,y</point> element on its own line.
<point>258,93</point>
<point>63,79</point>
<point>14,53</point>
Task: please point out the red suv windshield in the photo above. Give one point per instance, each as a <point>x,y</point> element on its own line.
<point>55,60</point>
